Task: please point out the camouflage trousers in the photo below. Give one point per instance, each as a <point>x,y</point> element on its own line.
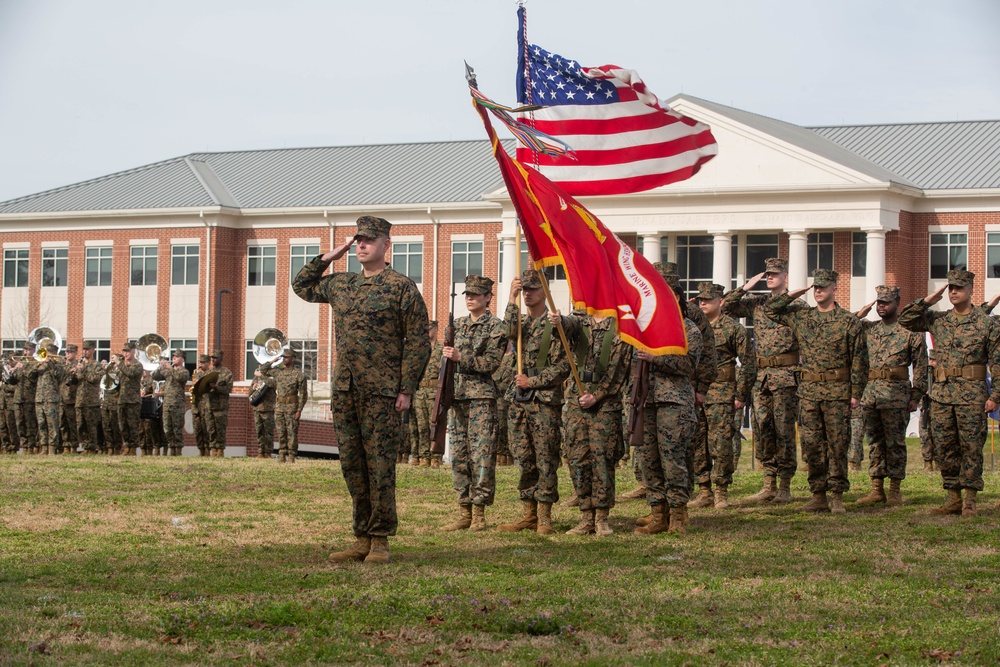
<point>773,421</point>
<point>368,435</point>
<point>924,426</point>
<point>533,431</point>
<point>112,430</point>
<point>67,428</point>
<point>825,428</point>
<point>473,450</point>
<point>666,455</point>
<point>886,430</point>
<point>220,424</point>
<point>737,436</point>
<point>420,423</point>
<point>263,422</point>
<point>201,420</point>
<point>173,424</point>
<point>503,447</point>
<point>713,454</point>
<point>87,421</point>
<point>48,417</point>
<point>404,435</point>
<point>128,424</point>
<point>699,441</point>
<point>153,437</point>
<point>856,451</point>
<point>286,429</point>
<point>27,425</point>
<point>595,444</point>
<point>959,434</point>
<point>9,440</point>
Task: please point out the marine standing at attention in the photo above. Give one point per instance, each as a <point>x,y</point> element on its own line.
<point>382,349</point>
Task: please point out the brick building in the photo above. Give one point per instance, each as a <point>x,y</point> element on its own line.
<point>206,244</point>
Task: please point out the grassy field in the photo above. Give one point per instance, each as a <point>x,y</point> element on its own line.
<point>223,562</point>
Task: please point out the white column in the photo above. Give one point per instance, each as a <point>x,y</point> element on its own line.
<point>651,247</point>
<point>509,257</point>
<point>798,255</point>
<point>874,262</point>
<point>722,259</point>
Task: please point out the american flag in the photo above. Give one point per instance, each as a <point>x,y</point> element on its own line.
<point>623,138</point>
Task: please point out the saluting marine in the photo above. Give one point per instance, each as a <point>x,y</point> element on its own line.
<point>291,391</point>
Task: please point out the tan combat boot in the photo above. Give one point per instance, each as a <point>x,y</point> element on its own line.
<point>639,493</point>
<point>876,495</point>
<point>895,495</point>
<point>678,520</point>
<point>528,520</point>
<point>657,525</point>
<point>545,519</point>
<point>358,552</point>
<point>415,463</point>
<point>952,504</point>
<point>969,506</point>
<point>425,463</point>
<point>478,518</point>
<point>784,494</point>
<point>601,527</point>
<point>462,522</point>
<point>291,457</point>
<point>379,554</point>
<point>766,494</point>
<point>721,497</point>
<point>586,525</point>
<point>52,450</point>
<point>817,504</point>
<point>282,455</point>
<point>837,503</point>
<point>704,497</point>
<point>574,501</point>
<point>645,520</point>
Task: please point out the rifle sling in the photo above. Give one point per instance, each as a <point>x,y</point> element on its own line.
<point>583,347</point>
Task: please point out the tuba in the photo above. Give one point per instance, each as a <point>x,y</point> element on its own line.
<point>42,337</point>
<point>267,347</point>
<point>151,350</point>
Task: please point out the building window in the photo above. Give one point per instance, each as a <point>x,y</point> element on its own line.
<point>948,251</point>
<point>695,260</point>
<point>102,350</point>
<point>408,259</point>
<point>760,248</point>
<point>261,265</point>
<point>820,251</point>
<point>251,362</point>
<point>466,260</point>
<point>55,262</point>
<point>143,267</point>
<point>190,348</point>
<point>307,358</point>
<point>184,265</point>
<point>15,268</point>
<point>12,346</point>
<point>992,255</point>
<point>99,267</point>
<point>859,254</point>
<point>300,254</point>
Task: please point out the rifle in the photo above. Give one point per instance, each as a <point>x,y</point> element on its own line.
<point>637,399</point>
<point>445,388</point>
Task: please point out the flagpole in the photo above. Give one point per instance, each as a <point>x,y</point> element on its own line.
<point>517,299</point>
<point>562,333</point>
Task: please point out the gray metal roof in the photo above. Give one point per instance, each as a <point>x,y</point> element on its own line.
<point>455,171</point>
<point>953,155</point>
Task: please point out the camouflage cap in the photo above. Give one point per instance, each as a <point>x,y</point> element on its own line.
<point>530,279</point>
<point>52,348</point>
<point>478,285</point>
<point>72,347</point>
<point>710,291</point>
<point>129,345</point>
<point>669,272</point>
<point>960,277</point>
<point>216,354</point>
<point>203,358</point>
<point>824,277</point>
<point>887,293</point>
<point>775,265</point>
<point>288,352</point>
<point>371,227</point>
<point>178,353</point>
<point>28,345</point>
<point>89,345</point>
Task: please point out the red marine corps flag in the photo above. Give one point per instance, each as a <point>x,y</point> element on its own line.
<point>606,277</point>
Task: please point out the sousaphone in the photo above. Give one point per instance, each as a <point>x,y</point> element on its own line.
<point>150,350</point>
<point>42,337</point>
<point>268,345</point>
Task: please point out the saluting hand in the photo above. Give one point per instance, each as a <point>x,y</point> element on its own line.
<point>934,297</point>
<point>750,284</point>
<point>338,252</point>
<point>867,308</point>
<point>799,292</point>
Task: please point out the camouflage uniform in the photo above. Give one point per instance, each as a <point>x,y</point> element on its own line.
<point>834,370</point>
<point>201,412</point>
<point>886,399</point>
<point>594,435</point>
<point>9,441</point>
<point>219,402</point>
<point>129,404</point>
<point>67,427</point>
<point>963,346</point>
<point>924,421</point>
<point>670,424</point>
<point>174,405</point>
<point>382,348</point>
<point>533,427</point>
<point>146,426</point>
<point>421,408</point>
<point>263,415</point>
<point>291,394</point>
<point>26,380</point>
<point>732,384</point>
<point>774,395</point>
<point>474,410</point>
<point>109,412</point>
<point>856,450</point>
<point>502,378</point>
<point>48,401</point>
<point>88,402</point>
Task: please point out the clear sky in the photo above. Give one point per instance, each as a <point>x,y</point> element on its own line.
<point>90,88</point>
